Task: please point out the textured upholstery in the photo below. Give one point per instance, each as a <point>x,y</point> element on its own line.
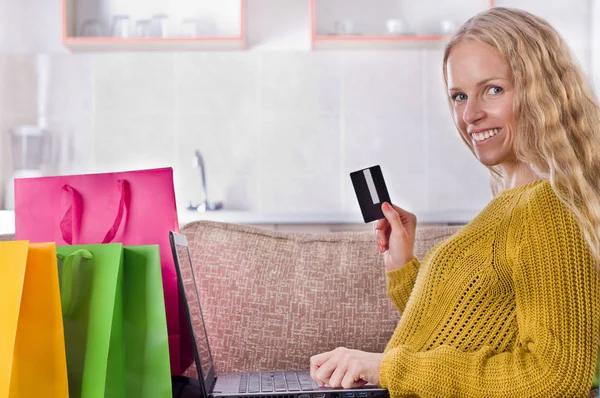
<point>271,299</point>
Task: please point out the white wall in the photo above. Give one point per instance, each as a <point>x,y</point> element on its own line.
<point>280,127</point>
<point>27,28</point>
<point>595,44</point>
<point>30,26</point>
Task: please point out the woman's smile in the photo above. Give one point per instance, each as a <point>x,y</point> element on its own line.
<point>485,136</point>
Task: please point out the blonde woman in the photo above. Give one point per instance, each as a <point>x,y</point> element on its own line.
<point>510,305</point>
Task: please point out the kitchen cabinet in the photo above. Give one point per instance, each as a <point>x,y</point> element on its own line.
<point>387,24</point>
<point>98,25</point>
<point>109,25</point>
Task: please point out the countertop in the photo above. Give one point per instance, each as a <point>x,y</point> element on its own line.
<point>7,218</point>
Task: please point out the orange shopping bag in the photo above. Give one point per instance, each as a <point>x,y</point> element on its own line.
<point>32,347</point>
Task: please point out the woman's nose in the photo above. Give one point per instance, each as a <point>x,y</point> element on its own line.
<point>473,112</point>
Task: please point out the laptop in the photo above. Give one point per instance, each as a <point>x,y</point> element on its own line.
<point>269,384</point>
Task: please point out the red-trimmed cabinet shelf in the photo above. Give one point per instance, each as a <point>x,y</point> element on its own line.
<point>220,25</point>
<point>363,24</point>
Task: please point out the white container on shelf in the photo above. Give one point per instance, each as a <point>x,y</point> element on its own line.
<point>226,33</point>
<point>33,154</point>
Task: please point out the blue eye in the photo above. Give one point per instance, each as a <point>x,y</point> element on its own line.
<point>494,90</point>
<point>459,97</point>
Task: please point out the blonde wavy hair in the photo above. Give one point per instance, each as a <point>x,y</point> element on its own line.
<point>557,117</point>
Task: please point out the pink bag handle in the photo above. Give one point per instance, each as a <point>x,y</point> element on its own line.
<point>71,200</point>
<point>71,219</point>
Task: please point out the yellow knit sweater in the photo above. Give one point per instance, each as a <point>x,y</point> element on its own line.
<point>509,306</point>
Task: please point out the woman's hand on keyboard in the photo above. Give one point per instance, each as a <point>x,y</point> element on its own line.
<point>345,368</point>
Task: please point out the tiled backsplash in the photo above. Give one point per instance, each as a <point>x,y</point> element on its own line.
<point>280,131</point>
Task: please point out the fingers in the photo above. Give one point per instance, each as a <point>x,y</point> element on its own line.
<point>352,379</point>
<point>396,219</point>
<point>335,380</point>
<point>384,238</point>
<point>316,361</point>
<point>379,224</point>
<point>346,374</point>
<point>382,234</point>
<point>313,368</point>
<point>407,218</point>
<point>392,216</point>
<point>342,368</point>
<point>324,373</point>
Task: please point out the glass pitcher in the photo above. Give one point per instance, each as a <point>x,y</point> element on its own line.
<point>31,148</point>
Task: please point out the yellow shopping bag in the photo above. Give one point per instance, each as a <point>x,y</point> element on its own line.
<point>32,347</point>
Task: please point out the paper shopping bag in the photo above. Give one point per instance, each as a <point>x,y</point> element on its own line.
<point>145,324</point>
<point>115,323</point>
<point>134,208</point>
<point>32,350</point>
<point>91,300</point>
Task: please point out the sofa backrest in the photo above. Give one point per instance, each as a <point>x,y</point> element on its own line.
<point>271,299</point>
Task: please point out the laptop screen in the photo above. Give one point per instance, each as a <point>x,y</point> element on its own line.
<point>191,299</point>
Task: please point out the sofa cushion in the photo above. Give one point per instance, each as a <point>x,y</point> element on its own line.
<point>271,299</point>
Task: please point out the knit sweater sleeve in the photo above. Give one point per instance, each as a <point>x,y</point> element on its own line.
<point>557,293</point>
<point>400,283</point>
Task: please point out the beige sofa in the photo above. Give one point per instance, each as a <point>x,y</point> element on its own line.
<point>272,299</point>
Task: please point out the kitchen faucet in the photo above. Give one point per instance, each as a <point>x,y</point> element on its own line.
<point>205,205</point>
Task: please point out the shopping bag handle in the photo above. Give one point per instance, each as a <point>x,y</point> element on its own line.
<point>71,200</point>
<point>71,219</point>
<point>75,277</point>
<point>123,186</point>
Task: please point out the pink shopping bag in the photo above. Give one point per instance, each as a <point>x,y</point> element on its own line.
<point>134,208</point>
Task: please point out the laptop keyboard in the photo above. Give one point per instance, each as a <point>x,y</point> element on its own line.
<point>276,382</point>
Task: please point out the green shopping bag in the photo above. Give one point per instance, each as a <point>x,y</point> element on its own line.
<point>114,319</point>
<point>147,365</point>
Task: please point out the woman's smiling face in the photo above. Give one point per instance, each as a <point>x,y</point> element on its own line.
<point>481,91</point>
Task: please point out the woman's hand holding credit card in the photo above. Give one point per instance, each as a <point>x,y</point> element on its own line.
<point>396,236</point>
<point>395,227</point>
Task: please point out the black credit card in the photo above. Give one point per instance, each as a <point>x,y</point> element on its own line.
<point>371,192</point>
